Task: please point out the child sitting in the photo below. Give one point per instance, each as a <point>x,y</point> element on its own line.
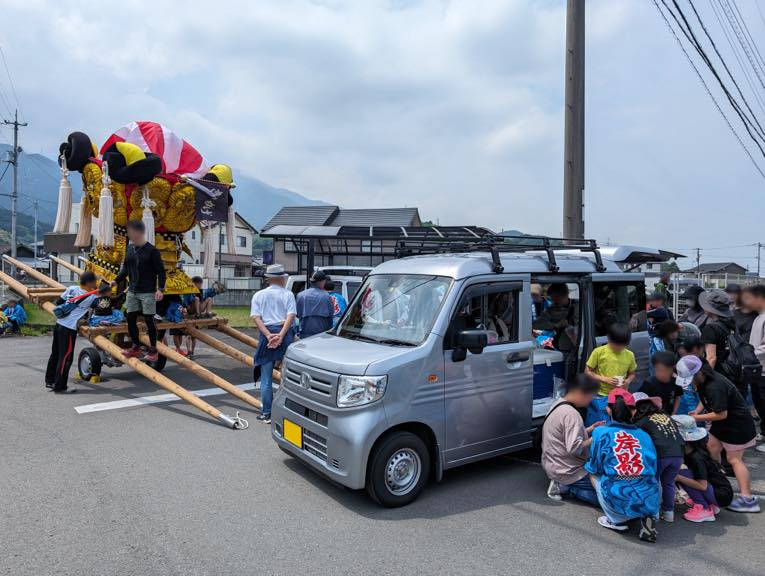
<point>105,309</point>
<point>650,418</point>
<point>200,304</point>
<point>612,365</point>
<point>662,383</point>
<point>175,313</point>
<point>708,488</point>
<point>689,401</point>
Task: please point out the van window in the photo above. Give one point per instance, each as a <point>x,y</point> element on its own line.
<point>353,287</point>
<point>619,302</point>
<point>492,307</point>
<point>555,315</point>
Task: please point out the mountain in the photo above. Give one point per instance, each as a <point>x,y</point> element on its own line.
<point>25,225</point>
<point>39,178</point>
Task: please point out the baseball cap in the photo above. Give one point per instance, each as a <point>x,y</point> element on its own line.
<point>628,398</point>
<point>688,428</point>
<point>640,396</point>
<point>686,368</point>
<point>318,276</point>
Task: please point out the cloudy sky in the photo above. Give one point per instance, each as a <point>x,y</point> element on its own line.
<point>451,106</point>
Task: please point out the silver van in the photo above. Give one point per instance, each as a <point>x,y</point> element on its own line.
<point>447,358</point>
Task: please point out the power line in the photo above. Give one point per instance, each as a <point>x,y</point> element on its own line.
<point>687,30</point>
<point>706,87</point>
<point>10,80</point>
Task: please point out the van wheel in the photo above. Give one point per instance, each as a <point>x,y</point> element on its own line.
<point>399,469</point>
<point>89,363</point>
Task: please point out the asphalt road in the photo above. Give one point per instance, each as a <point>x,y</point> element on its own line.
<point>162,489</point>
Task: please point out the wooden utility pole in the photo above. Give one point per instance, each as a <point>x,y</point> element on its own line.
<point>573,168</point>
<point>15,190</point>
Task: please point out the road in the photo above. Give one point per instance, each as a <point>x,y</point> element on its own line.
<point>164,490</point>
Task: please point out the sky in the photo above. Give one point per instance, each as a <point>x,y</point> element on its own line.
<point>455,107</point>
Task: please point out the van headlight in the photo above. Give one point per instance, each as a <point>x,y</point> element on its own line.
<point>360,390</point>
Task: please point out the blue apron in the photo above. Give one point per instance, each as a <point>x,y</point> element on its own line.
<point>264,354</point>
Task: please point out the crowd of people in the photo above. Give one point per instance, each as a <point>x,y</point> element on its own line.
<point>637,449</point>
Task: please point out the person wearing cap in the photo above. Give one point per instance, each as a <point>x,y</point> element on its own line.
<point>668,443</point>
<point>565,443</point>
<point>273,311</point>
<point>701,477</point>
<point>754,296</point>
<point>622,465</point>
<point>694,313</point>
<point>719,326</point>
<point>662,287</point>
<point>692,346</point>
<point>315,308</point>
<point>743,314</point>
<point>732,425</point>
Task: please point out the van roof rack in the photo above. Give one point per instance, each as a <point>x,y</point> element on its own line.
<point>494,244</point>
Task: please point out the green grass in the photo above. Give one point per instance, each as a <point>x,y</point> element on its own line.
<point>38,316</point>
<point>238,316</point>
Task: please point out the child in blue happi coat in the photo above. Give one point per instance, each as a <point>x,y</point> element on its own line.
<point>15,316</point>
<point>622,466</point>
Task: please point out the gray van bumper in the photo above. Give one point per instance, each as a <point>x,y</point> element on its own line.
<point>335,441</point>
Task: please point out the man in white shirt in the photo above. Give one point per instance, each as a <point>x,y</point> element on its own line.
<point>65,333</point>
<point>273,310</point>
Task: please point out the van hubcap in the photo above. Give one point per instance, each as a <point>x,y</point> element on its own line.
<point>402,471</point>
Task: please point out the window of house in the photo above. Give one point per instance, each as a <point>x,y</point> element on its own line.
<point>491,307</point>
<point>619,302</point>
<point>241,241</point>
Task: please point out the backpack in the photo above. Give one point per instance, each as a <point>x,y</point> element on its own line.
<point>65,308</point>
<point>741,364</point>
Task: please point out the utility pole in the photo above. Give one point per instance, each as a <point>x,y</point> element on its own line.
<point>698,263</point>
<point>573,152</point>
<point>14,192</point>
<point>759,248</point>
<point>34,246</point>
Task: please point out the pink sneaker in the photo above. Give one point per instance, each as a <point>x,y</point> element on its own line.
<point>132,352</point>
<point>699,514</point>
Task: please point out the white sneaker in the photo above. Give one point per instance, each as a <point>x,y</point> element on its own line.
<point>606,523</point>
<point>553,491</point>
<point>759,438</point>
<point>668,516</point>
<point>760,448</point>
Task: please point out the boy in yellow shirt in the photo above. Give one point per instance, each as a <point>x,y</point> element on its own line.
<point>613,364</point>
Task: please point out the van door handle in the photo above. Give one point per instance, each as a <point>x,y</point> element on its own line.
<point>514,357</point>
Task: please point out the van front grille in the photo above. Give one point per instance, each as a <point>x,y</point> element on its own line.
<point>306,412</point>
<point>315,444</point>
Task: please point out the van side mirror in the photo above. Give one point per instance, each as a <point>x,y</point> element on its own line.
<point>473,340</point>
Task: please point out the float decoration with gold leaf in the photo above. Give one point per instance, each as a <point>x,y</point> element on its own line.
<point>146,172</point>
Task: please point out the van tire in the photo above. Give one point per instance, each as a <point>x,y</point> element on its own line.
<point>399,469</point>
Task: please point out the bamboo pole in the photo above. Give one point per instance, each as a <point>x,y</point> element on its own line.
<point>146,371</point>
<point>68,265</point>
<point>203,373</point>
<point>220,346</point>
<point>122,328</point>
<point>34,273</point>
<point>163,381</point>
<point>238,335</point>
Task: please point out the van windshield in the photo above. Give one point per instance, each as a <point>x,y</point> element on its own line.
<point>395,309</point>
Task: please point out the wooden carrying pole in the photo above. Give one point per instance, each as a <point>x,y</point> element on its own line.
<point>203,373</point>
<point>236,334</point>
<point>39,276</point>
<point>146,371</point>
<point>69,266</point>
<point>164,382</point>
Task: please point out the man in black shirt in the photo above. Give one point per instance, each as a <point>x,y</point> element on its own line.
<point>662,383</point>
<point>145,273</point>
<point>714,334</point>
<point>743,316</point>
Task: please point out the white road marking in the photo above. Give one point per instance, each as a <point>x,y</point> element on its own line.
<point>156,399</point>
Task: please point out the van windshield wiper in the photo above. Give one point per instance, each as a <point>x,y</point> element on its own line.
<point>392,342</point>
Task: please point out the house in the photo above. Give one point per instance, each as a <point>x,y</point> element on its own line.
<point>306,237</point>
<point>237,263</point>
<point>730,268</point>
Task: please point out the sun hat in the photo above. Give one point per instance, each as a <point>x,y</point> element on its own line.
<point>629,399</point>
<point>685,369</point>
<point>641,396</point>
<point>275,271</point>
<point>688,429</point>
<point>716,302</point>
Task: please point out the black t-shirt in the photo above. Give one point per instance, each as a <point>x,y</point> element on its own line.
<point>703,467</point>
<point>743,321</point>
<point>667,392</point>
<point>717,333</point>
<point>718,394</point>
<point>102,306</point>
<point>663,431</point>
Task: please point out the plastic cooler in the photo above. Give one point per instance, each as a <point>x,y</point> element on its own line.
<point>548,366</point>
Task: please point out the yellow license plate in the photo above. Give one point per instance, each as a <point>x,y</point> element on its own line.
<point>293,433</point>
